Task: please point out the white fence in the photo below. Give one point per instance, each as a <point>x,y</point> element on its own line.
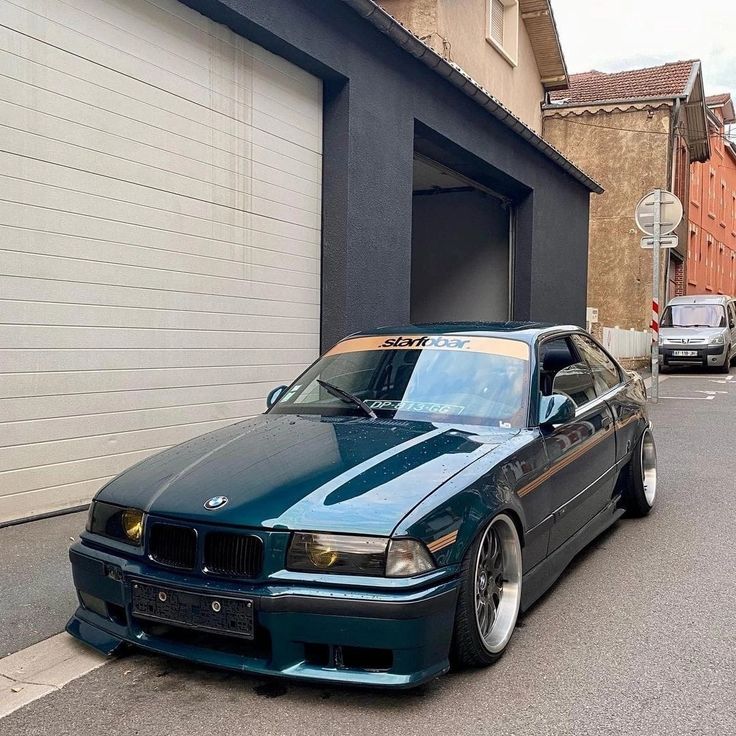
<point>627,343</point>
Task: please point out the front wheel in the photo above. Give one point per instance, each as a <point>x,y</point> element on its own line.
<point>490,595</point>
<point>726,367</point>
<point>641,486</point>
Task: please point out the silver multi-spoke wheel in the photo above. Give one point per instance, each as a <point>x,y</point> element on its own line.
<point>648,464</point>
<point>498,583</point>
<point>640,490</point>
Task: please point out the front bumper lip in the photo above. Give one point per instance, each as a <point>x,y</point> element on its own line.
<point>416,625</point>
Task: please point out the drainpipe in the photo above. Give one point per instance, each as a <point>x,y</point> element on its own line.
<point>671,174</point>
<point>671,169</point>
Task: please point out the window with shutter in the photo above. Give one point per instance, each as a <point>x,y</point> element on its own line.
<point>497,12</point>
<point>502,30</point>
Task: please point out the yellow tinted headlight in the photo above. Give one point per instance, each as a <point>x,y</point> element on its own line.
<point>132,523</point>
<point>337,553</point>
<point>321,555</point>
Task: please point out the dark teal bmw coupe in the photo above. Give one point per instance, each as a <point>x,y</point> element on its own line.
<point>390,513</point>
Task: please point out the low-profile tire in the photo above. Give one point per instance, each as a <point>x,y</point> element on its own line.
<point>490,595</point>
<point>641,487</point>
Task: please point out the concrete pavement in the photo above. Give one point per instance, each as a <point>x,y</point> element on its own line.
<point>637,637</point>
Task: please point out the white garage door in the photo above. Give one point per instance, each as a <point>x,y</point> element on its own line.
<point>160,183</point>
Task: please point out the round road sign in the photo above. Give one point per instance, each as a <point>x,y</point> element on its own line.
<point>670,212</point>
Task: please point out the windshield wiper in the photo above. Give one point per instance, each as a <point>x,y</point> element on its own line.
<point>347,397</point>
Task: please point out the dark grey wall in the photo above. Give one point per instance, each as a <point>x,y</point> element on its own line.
<point>376,96</point>
<point>460,258</point>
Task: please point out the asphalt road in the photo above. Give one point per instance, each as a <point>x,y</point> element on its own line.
<point>638,636</point>
<point>36,592</point>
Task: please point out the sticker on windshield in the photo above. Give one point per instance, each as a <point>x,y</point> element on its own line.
<point>458,343</point>
<point>422,407</point>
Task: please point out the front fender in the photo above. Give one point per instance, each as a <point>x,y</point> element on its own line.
<point>449,519</point>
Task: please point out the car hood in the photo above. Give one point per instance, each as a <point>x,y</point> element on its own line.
<point>342,474</point>
<point>688,333</point>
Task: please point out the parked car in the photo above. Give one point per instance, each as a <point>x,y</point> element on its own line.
<point>698,330</point>
<point>392,511</point>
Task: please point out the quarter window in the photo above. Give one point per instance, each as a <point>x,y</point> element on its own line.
<point>605,373</point>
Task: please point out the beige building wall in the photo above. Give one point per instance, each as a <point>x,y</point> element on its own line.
<point>457,29</point>
<point>627,153</point>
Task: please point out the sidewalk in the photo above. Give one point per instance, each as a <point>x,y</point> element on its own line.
<point>36,592</point>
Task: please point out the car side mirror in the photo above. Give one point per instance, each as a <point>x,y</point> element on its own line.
<point>555,409</point>
<point>275,395</point>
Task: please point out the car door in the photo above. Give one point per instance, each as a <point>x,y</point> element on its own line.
<point>581,452</point>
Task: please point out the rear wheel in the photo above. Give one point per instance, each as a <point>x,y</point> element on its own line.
<point>641,488</point>
<point>490,595</point>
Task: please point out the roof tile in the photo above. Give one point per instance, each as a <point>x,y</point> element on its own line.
<point>721,99</point>
<point>667,80</point>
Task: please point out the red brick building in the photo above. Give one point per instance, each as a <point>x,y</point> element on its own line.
<point>711,248</point>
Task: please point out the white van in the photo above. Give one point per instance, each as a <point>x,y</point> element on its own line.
<point>699,330</point>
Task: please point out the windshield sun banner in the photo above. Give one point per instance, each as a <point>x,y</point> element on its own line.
<point>460,343</point>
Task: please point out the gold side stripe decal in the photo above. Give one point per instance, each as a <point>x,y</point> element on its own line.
<point>450,538</point>
<point>562,464</point>
<point>442,542</point>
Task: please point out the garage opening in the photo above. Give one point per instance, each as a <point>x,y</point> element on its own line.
<point>460,262</point>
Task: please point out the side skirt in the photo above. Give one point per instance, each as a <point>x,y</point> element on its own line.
<point>541,577</point>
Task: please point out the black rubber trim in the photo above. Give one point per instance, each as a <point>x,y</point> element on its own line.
<point>47,515</point>
<point>359,608</point>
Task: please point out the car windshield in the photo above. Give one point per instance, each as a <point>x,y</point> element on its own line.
<point>694,315</point>
<point>441,378</point>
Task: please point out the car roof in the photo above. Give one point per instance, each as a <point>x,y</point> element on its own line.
<point>701,299</point>
<point>526,331</point>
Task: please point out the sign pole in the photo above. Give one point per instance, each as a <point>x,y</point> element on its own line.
<point>657,214</point>
<point>655,293</point>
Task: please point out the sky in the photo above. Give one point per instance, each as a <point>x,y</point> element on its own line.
<point>611,35</point>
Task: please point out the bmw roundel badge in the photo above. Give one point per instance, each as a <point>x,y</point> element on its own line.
<point>216,502</point>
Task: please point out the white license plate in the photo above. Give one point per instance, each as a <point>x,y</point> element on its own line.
<point>684,353</point>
